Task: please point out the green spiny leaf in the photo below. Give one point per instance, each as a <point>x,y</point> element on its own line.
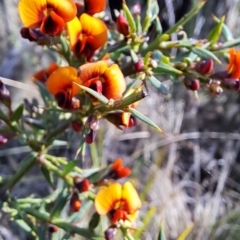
<point>145,119</point>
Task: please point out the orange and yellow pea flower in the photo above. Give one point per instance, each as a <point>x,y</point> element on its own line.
<point>48,15</point>
<point>86,35</point>
<point>61,83</point>
<point>94,6</point>
<point>109,76</point>
<point>121,202</point>
<point>108,79</point>
<point>233,67</point>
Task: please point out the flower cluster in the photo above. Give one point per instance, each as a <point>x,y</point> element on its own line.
<point>217,81</point>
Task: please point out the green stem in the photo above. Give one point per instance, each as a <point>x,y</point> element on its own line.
<point>25,166</point>
<point>61,161</point>
<point>126,232</point>
<point>121,104</point>
<point>68,227</point>
<point>59,173</point>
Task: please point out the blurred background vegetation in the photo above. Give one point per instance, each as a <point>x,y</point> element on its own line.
<point>192,176</point>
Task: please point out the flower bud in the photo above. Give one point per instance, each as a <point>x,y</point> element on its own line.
<point>136,10</point>
<point>5,95</point>
<point>122,25</point>
<point>52,228</point>
<point>110,233</point>
<point>215,88</point>
<point>230,84</point>
<point>90,137</point>
<point>191,84</point>
<point>138,66</point>
<point>93,123</point>
<point>205,66</point>
<point>75,203</point>
<point>3,140</point>
<point>82,185</point>
<point>76,126</point>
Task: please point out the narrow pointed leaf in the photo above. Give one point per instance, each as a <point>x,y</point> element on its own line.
<point>23,225</point>
<point>69,167</point>
<point>97,95</point>
<point>163,68</point>
<point>205,54</point>
<point>229,44</point>
<point>158,85</point>
<point>158,25</point>
<point>94,221</point>
<point>48,176</point>
<point>129,17</point>
<point>161,235</point>
<point>134,56</point>
<point>214,35</point>
<point>145,119</point>
<point>17,114</point>
<point>98,176</point>
<point>60,203</point>
<point>226,32</point>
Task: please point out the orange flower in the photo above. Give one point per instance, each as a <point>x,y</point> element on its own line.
<point>117,170</point>
<point>43,75</point>
<point>86,35</point>
<point>61,84</point>
<point>94,6</point>
<point>120,202</point>
<point>103,78</point>
<point>48,15</point>
<point>233,67</point>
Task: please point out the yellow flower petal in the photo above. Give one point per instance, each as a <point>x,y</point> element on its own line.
<point>32,12</point>
<point>96,28</point>
<point>114,84</point>
<point>107,198</point>
<point>74,28</point>
<point>66,9</point>
<point>131,198</point>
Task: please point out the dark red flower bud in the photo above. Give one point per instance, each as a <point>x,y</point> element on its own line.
<point>191,84</point>
<point>82,185</point>
<point>75,203</point>
<point>5,95</point>
<point>52,228</point>
<point>138,66</point>
<point>122,25</point>
<point>110,233</point>
<point>77,126</point>
<point>90,137</point>
<point>205,66</point>
<point>230,84</point>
